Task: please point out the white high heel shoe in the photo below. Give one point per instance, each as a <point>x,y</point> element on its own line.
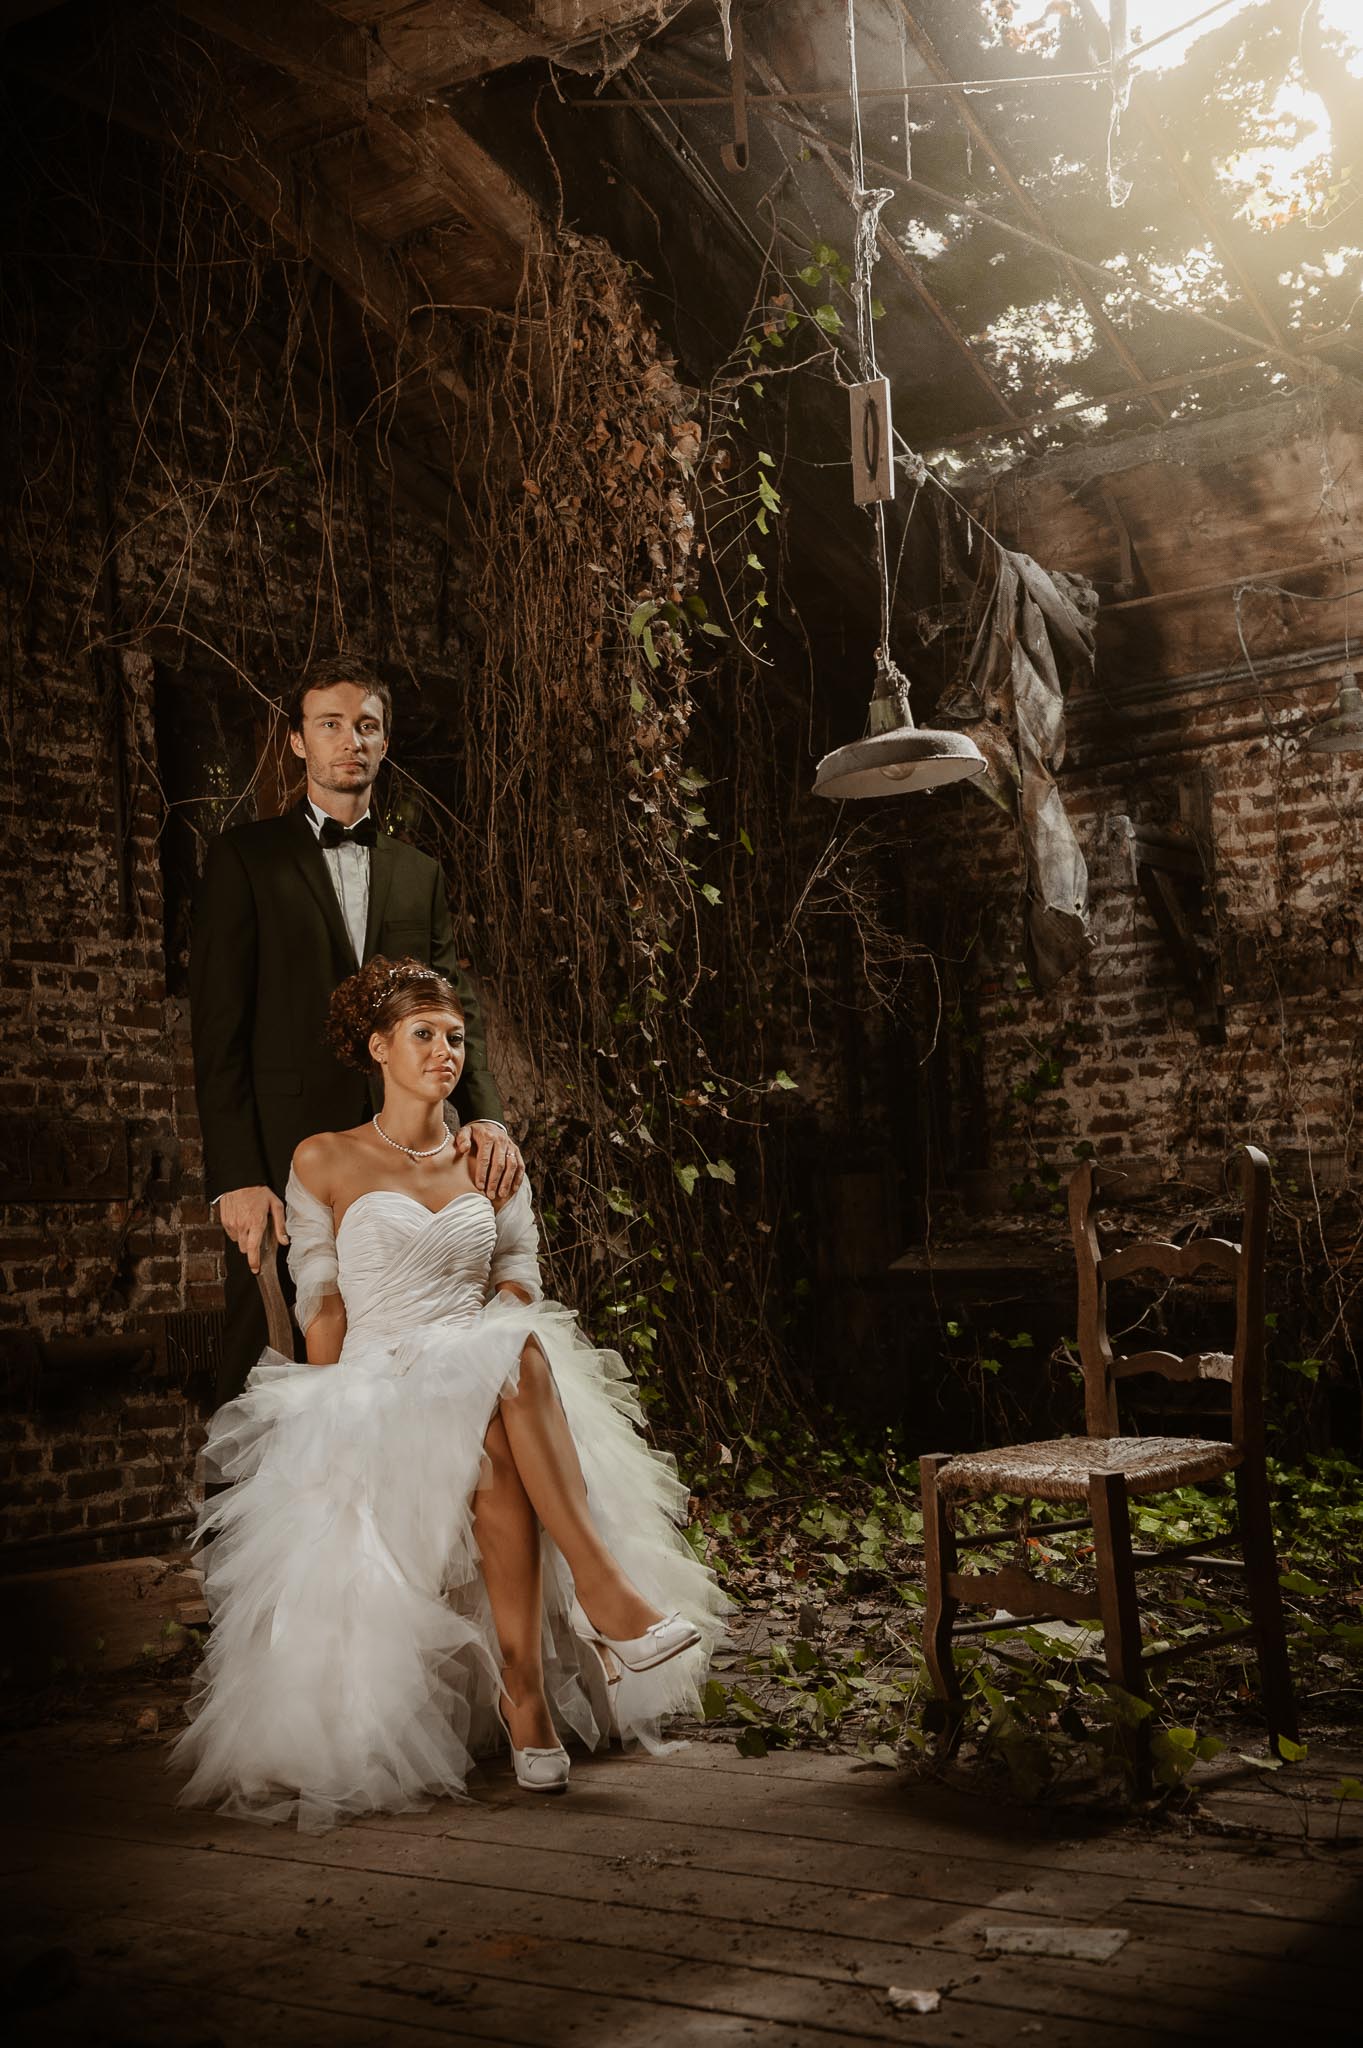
<point>659,1643</point>
<point>537,1770</point>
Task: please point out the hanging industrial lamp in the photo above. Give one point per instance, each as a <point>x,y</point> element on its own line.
<point>1342,731</point>
<point>896,757</point>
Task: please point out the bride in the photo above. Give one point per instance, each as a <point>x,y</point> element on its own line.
<point>454,1523</point>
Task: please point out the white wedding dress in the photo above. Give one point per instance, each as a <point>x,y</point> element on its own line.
<point>352,1665</point>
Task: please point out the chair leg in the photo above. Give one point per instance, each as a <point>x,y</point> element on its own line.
<point>1265,1602</point>
<point>940,1607</point>
<point>1119,1606</point>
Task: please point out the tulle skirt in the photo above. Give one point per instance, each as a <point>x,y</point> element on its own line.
<point>352,1664</point>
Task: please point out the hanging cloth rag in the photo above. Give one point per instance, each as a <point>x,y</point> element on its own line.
<point>1035,640</point>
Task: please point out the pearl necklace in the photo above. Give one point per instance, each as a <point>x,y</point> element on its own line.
<point>411,1150</point>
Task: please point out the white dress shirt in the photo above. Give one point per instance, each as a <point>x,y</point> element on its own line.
<point>348,867</point>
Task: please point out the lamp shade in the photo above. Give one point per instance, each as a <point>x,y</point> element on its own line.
<point>895,763</point>
<point>1342,731</point>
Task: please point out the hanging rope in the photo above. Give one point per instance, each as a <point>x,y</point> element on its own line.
<point>890,701</point>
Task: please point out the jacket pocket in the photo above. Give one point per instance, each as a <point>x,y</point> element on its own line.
<point>396,941</point>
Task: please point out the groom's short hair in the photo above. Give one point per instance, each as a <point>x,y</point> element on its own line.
<point>325,675</point>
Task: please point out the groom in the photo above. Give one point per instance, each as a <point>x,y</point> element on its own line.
<point>287,909</point>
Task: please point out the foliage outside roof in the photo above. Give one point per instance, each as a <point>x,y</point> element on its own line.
<point>1025,310</point>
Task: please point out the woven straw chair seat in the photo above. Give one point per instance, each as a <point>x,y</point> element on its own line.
<point>1060,1470</point>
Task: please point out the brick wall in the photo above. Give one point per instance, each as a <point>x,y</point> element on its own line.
<point>109,1262</point>
<point>1194,727</point>
<point>1114,1055</point>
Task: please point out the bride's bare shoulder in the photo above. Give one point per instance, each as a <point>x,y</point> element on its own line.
<point>319,1160</point>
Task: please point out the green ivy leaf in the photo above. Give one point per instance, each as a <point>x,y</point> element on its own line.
<point>720,1169</point>
<point>751,1742</point>
<point>687,1176</point>
<point>714,1701</point>
<point>1297,1582</point>
<point>783,1079</point>
<point>811,274</point>
<point>761,1485</point>
<point>715,632</point>
<point>829,318</point>
<point>640,617</point>
<point>877,309</point>
<point>825,255</point>
<point>771,499</point>
<point>744,840</point>
<point>710,892</point>
<point>637,700</point>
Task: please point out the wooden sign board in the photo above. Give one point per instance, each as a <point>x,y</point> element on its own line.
<point>872,445</point>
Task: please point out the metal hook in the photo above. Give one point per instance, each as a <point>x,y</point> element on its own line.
<point>734,155</point>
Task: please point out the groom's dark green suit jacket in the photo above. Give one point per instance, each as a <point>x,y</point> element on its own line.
<point>269,947</point>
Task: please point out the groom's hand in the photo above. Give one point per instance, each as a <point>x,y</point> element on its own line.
<point>497,1166</point>
<point>244,1214</point>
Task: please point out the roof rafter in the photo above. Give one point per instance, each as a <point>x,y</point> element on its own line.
<point>1195,198</point>
<point>985,141</point>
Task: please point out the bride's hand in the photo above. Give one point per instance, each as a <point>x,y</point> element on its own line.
<point>498,1168</point>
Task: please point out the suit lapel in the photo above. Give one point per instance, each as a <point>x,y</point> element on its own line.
<point>308,854</point>
<point>381,863</point>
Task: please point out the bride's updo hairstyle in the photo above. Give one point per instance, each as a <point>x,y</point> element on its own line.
<point>377,998</point>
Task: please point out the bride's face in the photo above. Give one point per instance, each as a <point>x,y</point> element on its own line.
<point>423,1053</point>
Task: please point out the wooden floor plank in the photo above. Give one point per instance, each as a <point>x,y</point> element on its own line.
<point>843,1892</point>
<point>674,1900</point>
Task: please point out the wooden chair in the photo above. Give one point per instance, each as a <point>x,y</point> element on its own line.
<point>278,1322</point>
<point>1101,1470</point>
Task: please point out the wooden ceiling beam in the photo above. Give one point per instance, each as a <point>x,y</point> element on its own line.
<point>435,144</point>
<point>353,76</point>
<point>289,203</point>
<point>303,38</point>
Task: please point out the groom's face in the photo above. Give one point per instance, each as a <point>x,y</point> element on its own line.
<point>342,740</point>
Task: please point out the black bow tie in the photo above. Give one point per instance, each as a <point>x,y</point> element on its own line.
<point>366,833</point>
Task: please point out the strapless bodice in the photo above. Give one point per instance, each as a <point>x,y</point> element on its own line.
<point>400,1264</point>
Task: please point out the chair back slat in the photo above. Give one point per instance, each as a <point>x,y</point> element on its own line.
<point>1197,1365</point>
<point>278,1321</point>
<point>1242,1263</point>
<point>1174,1261</point>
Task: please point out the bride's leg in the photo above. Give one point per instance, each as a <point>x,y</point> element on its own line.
<point>508,1536</point>
<point>546,1459</point>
